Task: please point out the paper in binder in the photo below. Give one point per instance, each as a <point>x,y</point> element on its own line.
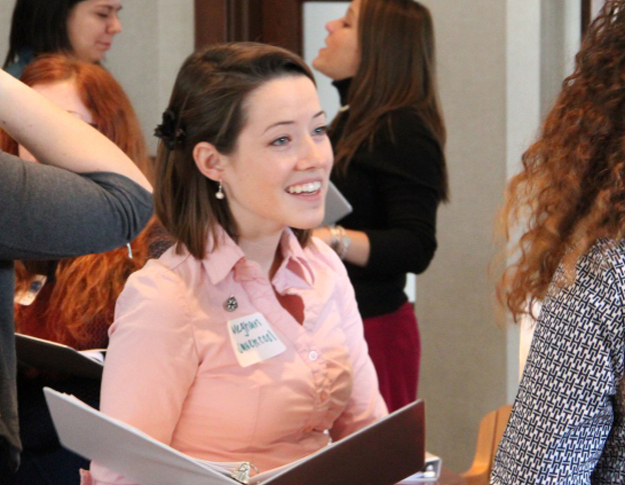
<point>430,472</point>
<point>380,454</point>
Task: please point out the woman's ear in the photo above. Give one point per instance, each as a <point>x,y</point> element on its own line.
<point>208,160</point>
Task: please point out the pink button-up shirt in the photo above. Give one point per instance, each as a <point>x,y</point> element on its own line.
<point>172,372</point>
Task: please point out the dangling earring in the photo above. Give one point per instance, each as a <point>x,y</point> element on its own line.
<point>220,193</point>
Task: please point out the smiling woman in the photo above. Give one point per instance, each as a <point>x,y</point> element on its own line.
<point>81,28</point>
<point>285,130</point>
<point>247,315</point>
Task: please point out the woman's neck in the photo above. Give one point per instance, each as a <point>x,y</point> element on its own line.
<point>264,250</point>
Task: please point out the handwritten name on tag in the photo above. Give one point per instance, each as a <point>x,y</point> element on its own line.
<point>28,296</point>
<point>253,340</point>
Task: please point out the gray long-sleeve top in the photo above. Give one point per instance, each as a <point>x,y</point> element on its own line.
<point>50,213</point>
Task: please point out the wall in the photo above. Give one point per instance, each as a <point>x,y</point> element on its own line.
<point>500,65</point>
<point>463,370</point>
<point>148,54</point>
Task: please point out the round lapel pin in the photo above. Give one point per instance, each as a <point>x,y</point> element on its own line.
<point>231,304</point>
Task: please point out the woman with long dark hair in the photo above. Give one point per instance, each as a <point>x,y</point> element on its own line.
<point>389,140</point>
<point>568,422</point>
<point>79,28</point>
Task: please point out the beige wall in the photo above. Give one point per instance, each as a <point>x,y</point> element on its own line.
<point>500,65</point>
<point>157,37</point>
<point>463,370</point>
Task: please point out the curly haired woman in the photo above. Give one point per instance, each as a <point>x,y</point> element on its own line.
<point>568,421</point>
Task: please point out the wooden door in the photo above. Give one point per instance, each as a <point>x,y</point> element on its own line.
<point>277,22</point>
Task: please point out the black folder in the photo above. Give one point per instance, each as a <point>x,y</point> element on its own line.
<point>51,356</point>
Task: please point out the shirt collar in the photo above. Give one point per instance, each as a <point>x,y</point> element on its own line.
<point>220,261</point>
<point>342,87</point>
<point>295,261</point>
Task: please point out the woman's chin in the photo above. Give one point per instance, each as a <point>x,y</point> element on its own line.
<point>310,223</point>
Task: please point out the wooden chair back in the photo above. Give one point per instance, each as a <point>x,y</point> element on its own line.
<point>489,435</point>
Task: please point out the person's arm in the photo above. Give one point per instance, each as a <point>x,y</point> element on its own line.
<point>567,421</point>
<point>57,138</point>
<point>151,360</point>
<point>358,251</point>
<point>49,213</point>
<point>407,176</point>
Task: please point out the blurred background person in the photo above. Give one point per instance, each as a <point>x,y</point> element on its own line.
<point>86,196</point>
<point>84,29</point>
<point>388,139</point>
<point>75,304</point>
<point>568,204</point>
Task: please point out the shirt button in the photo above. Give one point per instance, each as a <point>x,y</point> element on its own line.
<point>324,396</point>
<point>313,355</point>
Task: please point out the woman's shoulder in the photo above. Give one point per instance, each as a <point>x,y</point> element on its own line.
<point>408,123</point>
<point>404,146</point>
<point>318,252</point>
<point>606,259</point>
<point>160,276</point>
<point>403,134</point>
<point>598,286</point>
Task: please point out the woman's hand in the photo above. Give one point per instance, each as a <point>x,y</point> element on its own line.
<point>358,248</point>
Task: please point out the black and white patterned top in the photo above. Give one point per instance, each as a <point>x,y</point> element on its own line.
<point>568,422</point>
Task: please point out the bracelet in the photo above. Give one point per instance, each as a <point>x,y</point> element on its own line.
<point>334,238</point>
<point>339,241</point>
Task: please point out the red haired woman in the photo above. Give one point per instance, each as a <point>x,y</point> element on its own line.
<point>568,421</point>
<point>75,305</point>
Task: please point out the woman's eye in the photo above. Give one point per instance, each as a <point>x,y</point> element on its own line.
<point>321,131</point>
<point>278,142</point>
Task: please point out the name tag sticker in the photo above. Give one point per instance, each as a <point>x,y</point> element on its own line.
<point>28,296</point>
<point>253,340</point>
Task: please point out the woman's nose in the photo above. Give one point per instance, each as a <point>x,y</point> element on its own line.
<point>315,155</point>
<point>331,26</point>
<point>115,26</point>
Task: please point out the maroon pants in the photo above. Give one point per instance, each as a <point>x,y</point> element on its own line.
<point>395,349</point>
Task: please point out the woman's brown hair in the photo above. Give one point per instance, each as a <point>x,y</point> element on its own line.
<point>86,287</point>
<point>571,191</point>
<point>397,69</point>
<point>208,104</point>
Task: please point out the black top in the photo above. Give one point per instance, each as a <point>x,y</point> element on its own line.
<point>49,213</point>
<point>394,189</point>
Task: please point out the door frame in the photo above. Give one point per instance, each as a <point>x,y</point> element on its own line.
<point>277,22</point>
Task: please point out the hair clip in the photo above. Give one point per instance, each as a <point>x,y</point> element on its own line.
<point>168,131</point>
